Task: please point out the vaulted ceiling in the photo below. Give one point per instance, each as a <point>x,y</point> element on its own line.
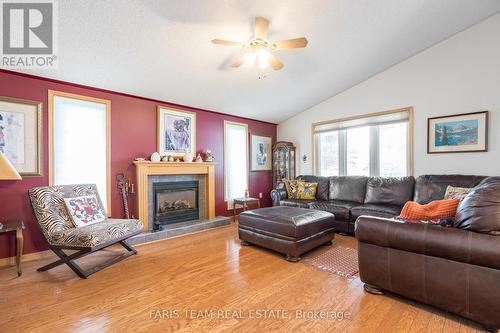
<point>162,50</point>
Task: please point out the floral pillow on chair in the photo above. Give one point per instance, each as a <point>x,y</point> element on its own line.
<point>84,210</point>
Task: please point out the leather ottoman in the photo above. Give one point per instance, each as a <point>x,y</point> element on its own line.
<point>288,230</point>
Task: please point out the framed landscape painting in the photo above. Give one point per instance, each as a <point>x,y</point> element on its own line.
<point>21,134</point>
<point>260,153</point>
<point>176,131</point>
<point>467,132</point>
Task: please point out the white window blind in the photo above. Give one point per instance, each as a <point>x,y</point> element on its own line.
<point>235,161</point>
<point>376,145</point>
<point>80,143</point>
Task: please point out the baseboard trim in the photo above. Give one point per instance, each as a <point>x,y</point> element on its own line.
<point>11,261</point>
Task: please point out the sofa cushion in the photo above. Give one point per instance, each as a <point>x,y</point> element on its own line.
<point>388,211</point>
<point>433,187</point>
<point>296,203</point>
<point>341,209</point>
<point>348,188</point>
<point>323,185</point>
<point>389,190</point>
<point>480,209</point>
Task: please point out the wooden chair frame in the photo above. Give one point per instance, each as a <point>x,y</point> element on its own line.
<point>84,251</point>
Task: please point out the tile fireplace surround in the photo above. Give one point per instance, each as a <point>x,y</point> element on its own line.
<point>147,173</point>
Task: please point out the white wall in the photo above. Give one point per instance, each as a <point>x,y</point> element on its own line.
<point>458,75</point>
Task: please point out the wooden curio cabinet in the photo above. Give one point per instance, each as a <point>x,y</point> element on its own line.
<point>283,162</point>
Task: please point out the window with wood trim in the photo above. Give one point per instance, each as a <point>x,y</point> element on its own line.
<point>79,135</point>
<point>378,144</point>
<point>235,161</point>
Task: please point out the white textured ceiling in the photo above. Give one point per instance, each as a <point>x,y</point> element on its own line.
<point>162,50</point>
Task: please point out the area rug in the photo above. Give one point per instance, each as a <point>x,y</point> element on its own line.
<point>339,260</point>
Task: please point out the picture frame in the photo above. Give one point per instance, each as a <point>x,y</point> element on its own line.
<point>176,131</point>
<point>21,134</point>
<point>459,133</point>
<point>260,152</point>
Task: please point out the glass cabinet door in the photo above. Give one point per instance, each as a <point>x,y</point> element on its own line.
<point>284,162</point>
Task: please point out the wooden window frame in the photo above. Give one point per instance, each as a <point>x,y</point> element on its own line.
<point>51,95</point>
<point>408,109</point>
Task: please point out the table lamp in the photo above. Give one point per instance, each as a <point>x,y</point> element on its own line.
<point>7,171</point>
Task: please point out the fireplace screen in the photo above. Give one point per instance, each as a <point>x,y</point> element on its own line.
<point>175,202</point>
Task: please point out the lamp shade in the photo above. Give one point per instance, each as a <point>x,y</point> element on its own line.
<point>7,170</point>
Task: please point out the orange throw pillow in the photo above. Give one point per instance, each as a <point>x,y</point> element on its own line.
<point>437,209</point>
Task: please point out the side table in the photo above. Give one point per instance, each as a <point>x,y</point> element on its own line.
<point>243,203</point>
<point>18,227</point>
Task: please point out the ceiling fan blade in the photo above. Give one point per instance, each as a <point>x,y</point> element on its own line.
<point>261,27</point>
<point>226,42</point>
<point>290,43</point>
<point>238,63</point>
<point>275,63</point>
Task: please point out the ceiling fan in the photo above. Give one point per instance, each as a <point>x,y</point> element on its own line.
<point>260,47</point>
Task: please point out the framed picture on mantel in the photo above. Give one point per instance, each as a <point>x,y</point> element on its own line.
<point>176,131</point>
<point>460,133</point>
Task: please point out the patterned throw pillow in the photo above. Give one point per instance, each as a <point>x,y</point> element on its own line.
<point>436,209</point>
<point>445,222</point>
<point>456,192</point>
<point>292,188</point>
<point>84,210</point>
<point>307,191</point>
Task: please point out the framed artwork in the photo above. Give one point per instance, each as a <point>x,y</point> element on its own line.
<point>176,131</point>
<point>21,134</point>
<point>460,133</point>
<point>260,153</point>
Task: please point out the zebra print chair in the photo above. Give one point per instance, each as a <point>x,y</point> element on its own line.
<point>61,234</point>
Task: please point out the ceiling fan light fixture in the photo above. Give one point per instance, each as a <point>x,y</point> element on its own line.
<point>263,58</point>
<point>250,58</point>
<point>260,47</point>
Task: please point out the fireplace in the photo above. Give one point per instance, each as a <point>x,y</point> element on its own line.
<point>175,202</point>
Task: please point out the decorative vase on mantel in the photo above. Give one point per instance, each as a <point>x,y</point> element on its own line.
<point>155,157</point>
<point>188,156</point>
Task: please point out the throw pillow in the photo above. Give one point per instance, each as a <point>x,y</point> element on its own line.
<point>456,192</point>
<point>292,188</point>
<point>436,209</point>
<point>445,222</point>
<point>307,191</point>
<point>84,210</point>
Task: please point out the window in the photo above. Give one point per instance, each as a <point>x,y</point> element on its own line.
<point>329,152</point>
<point>374,145</point>
<point>79,142</point>
<point>235,161</point>
<point>358,151</point>
<point>393,149</point>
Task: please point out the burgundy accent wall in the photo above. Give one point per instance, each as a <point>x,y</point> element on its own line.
<point>133,133</point>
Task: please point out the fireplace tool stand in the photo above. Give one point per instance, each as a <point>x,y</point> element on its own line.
<point>125,188</point>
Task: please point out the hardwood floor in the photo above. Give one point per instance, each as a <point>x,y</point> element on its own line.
<point>202,272</point>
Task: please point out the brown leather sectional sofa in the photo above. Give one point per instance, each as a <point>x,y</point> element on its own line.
<point>455,269</point>
<point>352,196</point>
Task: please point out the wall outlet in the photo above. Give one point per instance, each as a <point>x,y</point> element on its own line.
<point>260,195</point>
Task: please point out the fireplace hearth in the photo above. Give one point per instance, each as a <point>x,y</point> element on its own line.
<point>174,202</point>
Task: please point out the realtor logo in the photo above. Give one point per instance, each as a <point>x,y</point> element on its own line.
<point>28,31</point>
